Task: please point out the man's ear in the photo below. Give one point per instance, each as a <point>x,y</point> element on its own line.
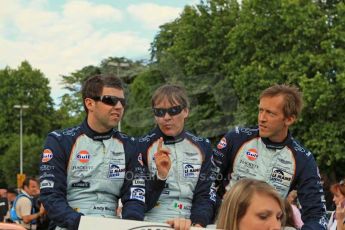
<point>290,120</point>
<point>89,103</point>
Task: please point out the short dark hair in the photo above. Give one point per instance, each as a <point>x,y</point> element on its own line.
<point>27,181</point>
<point>12,190</point>
<point>174,93</point>
<point>292,98</point>
<point>94,85</point>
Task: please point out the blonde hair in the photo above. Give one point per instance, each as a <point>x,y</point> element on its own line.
<point>237,200</point>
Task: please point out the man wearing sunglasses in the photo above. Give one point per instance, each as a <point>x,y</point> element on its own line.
<point>86,169</point>
<point>187,168</point>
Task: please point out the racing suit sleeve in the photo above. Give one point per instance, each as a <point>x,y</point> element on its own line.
<point>222,156</point>
<point>154,188</point>
<point>53,183</point>
<point>153,185</point>
<point>140,191</point>
<point>204,202</point>
<point>310,195</point>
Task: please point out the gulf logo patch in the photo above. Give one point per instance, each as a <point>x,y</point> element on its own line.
<point>252,154</point>
<point>222,143</point>
<point>47,155</point>
<point>83,156</point>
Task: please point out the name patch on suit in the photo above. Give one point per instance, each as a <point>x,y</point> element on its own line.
<point>81,184</point>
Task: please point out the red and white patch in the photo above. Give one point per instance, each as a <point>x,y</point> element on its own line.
<point>252,154</point>
<point>47,155</point>
<point>83,156</point>
<point>222,143</point>
<point>140,159</point>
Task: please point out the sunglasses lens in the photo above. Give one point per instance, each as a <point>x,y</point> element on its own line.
<point>159,112</point>
<point>112,100</point>
<point>174,110</point>
<point>109,100</point>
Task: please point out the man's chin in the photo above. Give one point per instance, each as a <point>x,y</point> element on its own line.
<point>263,134</point>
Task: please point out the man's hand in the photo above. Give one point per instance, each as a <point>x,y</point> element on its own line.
<point>162,160</point>
<point>180,223</point>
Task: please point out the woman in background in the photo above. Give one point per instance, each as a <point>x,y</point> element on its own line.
<point>251,204</point>
<point>336,222</point>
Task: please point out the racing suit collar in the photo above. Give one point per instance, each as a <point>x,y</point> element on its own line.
<point>277,145</point>
<point>169,139</point>
<point>95,135</point>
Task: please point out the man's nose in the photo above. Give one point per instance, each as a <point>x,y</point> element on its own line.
<point>167,116</point>
<point>262,116</point>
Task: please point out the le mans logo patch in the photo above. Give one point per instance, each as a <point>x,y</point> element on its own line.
<point>252,154</point>
<point>47,155</point>
<point>191,170</point>
<point>83,156</point>
<point>116,171</point>
<point>138,194</point>
<point>222,143</point>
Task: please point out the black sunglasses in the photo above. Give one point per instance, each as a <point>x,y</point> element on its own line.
<point>172,111</point>
<point>110,100</point>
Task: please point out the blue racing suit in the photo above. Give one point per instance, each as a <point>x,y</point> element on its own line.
<point>85,173</point>
<point>189,190</point>
<point>242,153</point>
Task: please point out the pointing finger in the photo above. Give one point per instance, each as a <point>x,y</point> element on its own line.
<point>160,144</point>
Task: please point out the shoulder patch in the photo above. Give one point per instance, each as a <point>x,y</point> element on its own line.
<point>222,143</point>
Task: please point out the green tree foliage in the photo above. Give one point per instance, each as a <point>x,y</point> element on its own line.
<point>9,161</point>
<point>138,118</point>
<point>189,52</point>
<point>23,86</point>
<point>226,54</point>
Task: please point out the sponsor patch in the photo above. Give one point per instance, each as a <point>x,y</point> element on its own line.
<point>140,159</point>
<point>116,171</point>
<point>285,162</point>
<point>180,205</point>
<point>217,153</point>
<point>138,194</point>
<point>47,167</point>
<point>83,156</point>
<point>81,167</point>
<point>281,177</point>
<point>47,184</point>
<point>116,153</point>
<point>252,154</point>
<point>248,164</point>
<point>213,195</point>
<point>45,175</point>
<point>81,184</point>
<point>138,182</point>
<point>47,155</point>
<point>191,153</point>
<point>222,143</point>
<point>191,170</point>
